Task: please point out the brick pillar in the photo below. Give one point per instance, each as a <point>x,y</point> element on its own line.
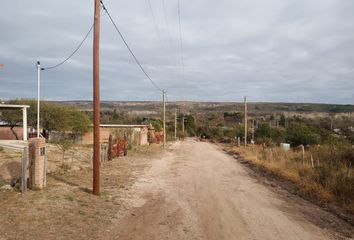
<point>37,158</point>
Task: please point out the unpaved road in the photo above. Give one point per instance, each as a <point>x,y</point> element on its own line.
<point>191,190</point>
<point>196,191</point>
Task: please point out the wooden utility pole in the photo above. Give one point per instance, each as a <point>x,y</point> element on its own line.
<point>176,124</point>
<point>96,99</point>
<point>183,125</point>
<point>164,117</point>
<point>245,103</point>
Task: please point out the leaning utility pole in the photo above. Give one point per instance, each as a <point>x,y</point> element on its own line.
<point>245,103</point>
<point>164,117</point>
<point>176,124</point>
<point>96,99</point>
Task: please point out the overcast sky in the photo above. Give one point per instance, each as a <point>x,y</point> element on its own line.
<point>274,50</point>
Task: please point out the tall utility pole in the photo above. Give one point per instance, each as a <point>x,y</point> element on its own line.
<point>38,93</point>
<point>164,117</point>
<point>245,102</point>
<point>176,124</point>
<point>183,125</point>
<point>96,99</point>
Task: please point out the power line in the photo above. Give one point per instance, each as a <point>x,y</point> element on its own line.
<point>174,62</point>
<point>180,35</point>
<point>155,22</point>
<point>167,24</point>
<point>72,54</point>
<point>130,50</point>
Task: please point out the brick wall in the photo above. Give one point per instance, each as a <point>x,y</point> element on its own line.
<point>37,172</point>
<point>6,133</point>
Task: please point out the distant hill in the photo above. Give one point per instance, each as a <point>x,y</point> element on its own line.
<point>185,106</point>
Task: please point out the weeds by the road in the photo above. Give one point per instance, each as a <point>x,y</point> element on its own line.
<point>322,172</point>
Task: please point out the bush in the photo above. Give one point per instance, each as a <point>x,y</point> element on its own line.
<point>267,134</point>
<point>299,133</point>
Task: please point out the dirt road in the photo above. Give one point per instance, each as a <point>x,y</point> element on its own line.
<point>191,190</point>
<point>196,191</point>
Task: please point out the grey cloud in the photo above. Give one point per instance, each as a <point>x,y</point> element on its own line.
<point>274,50</point>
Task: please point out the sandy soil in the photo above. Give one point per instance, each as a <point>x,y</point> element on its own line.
<point>192,190</point>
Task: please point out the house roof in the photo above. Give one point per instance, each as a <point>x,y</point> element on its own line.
<point>13,106</point>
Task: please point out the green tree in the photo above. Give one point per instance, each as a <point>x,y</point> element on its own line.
<point>189,125</point>
<point>53,117</point>
<point>299,133</point>
<point>282,120</point>
<point>13,117</point>
<point>265,133</point>
<point>156,123</point>
<point>64,145</point>
<point>79,122</point>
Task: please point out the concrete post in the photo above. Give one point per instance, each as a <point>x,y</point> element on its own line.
<point>24,125</point>
<point>24,166</point>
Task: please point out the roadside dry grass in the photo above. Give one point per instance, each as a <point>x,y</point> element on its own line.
<point>313,177</point>
<point>66,209</point>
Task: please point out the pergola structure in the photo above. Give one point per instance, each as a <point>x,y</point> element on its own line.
<point>24,116</point>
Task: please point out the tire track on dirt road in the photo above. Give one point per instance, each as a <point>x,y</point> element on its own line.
<point>196,191</point>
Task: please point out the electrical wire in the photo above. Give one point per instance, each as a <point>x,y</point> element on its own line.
<point>167,24</point>
<point>155,22</point>
<point>72,54</point>
<point>180,35</point>
<point>129,49</point>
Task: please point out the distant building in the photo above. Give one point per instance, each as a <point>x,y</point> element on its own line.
<point>137,133</point>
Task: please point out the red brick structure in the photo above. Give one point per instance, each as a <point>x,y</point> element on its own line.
<point>37,163</point>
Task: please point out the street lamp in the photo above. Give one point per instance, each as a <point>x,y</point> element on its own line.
<point>38,93</point>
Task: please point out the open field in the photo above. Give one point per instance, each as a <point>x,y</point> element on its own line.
<point>192,190</point>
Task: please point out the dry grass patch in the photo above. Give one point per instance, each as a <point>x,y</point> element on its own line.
<point>321,173</point>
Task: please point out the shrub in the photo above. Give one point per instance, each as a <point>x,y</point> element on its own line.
<point>299,133</point>
<point>267,134</point>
